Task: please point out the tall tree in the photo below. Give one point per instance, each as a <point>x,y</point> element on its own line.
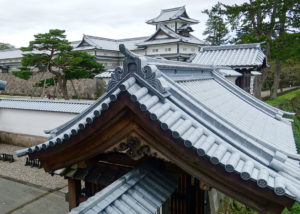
<point>51,52</point>
<point>263,21</point>
<point>285,45</point>
<point>4,46</point>
<point>216,30</point>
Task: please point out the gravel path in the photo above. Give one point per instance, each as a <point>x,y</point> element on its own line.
<point>267,93</point>
<point>17,170</point>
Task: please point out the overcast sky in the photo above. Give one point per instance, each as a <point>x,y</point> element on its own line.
<point>117,19</point>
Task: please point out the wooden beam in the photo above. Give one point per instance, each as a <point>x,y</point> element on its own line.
<point>73,192</point>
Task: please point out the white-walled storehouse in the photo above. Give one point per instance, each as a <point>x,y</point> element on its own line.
<point>24,122</point>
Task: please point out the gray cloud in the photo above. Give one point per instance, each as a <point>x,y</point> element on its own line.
<point>20,20</point>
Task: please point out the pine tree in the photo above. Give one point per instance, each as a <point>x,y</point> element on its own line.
<point>52,53</point>
<point>265,21</point>
<point>216,30</point>
<point>4,46</point>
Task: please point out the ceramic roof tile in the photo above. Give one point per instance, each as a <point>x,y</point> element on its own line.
<point>142,190</point>
<point>44,105</point>
<point>172,14</point>
<point>209,130</point>
<point>243,55</point>
<point>112,44</point>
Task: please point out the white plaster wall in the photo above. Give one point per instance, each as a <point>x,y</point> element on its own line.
<point>107,53</point>
<point>231,79</point>
<point>188,49</point>
<point>162,49</point>
<point>140,52</point>
<point>252,84</point>
<point>31,122</point>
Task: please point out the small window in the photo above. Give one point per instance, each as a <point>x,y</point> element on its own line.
<point>184,49</point>
<point>193,49</point>
<point>167,49</point>
<point>155,50</point>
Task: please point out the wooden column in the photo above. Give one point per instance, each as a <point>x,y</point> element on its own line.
<point>74,187</point>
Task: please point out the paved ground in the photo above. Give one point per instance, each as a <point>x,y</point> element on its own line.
<point>28,190</point>
<point>17,198</point>
<point>267,93</point>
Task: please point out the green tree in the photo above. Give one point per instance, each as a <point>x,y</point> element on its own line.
<point>285,45</point>
<point>216,30</point>
<point>4,46</point>
<point>264,21</point>
<point>51,52</point>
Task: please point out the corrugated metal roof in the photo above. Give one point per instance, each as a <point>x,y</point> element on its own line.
<point>244,55</point>
<point>44,105</point>
<point>142,190</point>
<point>237,134</point>
<point>172,14</point>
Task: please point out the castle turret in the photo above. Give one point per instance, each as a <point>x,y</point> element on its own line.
<point>176,19</point>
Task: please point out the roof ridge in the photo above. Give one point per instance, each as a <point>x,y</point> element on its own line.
<point>10,49</point>
<point>102,38</point>
<point>172,9</point>
<point>45,101</point>
<point>132,38</point>
<point>116,40</point>
<point>237,46</point>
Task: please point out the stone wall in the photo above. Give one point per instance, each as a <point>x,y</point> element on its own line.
<point>16,86</point>
<point>23,140</point>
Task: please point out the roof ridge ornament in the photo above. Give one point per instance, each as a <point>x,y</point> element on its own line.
<point>137,66</point>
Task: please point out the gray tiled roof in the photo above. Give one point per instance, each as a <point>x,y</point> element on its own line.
<point>17,53</point>
<point>106,74</point>
<point>112,44</point>
<point>75,107</point>
<point>172,14</point>
<point>11,53</point>
<point>245,136</point>
<point>230,73</point>
<point>141,191</point>
<point>235,56</point>
<point>2,85</point>
<point>175,38</point>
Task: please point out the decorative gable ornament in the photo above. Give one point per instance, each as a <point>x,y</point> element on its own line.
<point>133,67</point>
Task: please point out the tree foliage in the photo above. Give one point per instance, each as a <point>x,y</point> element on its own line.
<point>216,30</point>
<point>273,22</point>
<point>4,46</point>
<point>51,52</point>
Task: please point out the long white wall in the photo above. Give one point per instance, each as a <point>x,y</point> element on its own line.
<point>31,122</point>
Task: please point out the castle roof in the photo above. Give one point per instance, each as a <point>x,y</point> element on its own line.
<point>172,14</point>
